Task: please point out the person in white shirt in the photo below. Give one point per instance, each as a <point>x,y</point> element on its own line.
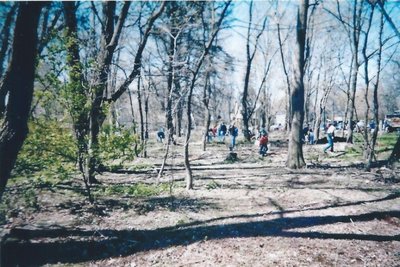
<point>330,134</point>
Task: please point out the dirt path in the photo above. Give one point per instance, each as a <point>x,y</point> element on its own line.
<point>254,212</point>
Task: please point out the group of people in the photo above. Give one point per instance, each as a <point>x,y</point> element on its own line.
<point>308,135</point>
<point>223,131</point>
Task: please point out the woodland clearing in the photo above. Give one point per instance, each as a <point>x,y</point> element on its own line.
<point>251,212</point>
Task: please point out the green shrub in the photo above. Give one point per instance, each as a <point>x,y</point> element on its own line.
<point>48,154</point>
<point>117,143</point>
<point>213,185</point>
<point>135,190</point>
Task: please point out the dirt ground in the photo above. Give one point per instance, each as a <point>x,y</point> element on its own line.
<point>252,212</point>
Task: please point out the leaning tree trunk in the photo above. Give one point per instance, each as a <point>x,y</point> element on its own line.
<point>295,154</point>
<point>18,81</point>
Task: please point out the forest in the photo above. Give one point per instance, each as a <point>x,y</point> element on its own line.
<point>200,133</point>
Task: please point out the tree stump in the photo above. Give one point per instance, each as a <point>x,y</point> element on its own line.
<point>232,156</point>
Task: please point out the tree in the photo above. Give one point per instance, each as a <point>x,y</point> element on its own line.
<point>76,91</point>
<point>19,81</point>
<point>395,155</point>
<point>353,30</point>
<point>90,116</point>
<point>295,158</point>
<point>371,153</point>
<point>5,35</point>
<point>369,145</point>
<point>285,71</point>
<point>246,110</point>
<point>208,42</point>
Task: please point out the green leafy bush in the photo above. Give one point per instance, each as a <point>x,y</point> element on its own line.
<point>117,144</point>
<point>135,190</point>
<point>49,152</point>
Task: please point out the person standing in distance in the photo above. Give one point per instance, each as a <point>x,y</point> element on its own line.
<point>330,135</point>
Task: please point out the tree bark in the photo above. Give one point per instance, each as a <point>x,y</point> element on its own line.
<point>375,99</point>
<point>395,156</point>
<point>289,90</point>
<point>367,148</point>
<point>207,47</point>
<point>18,81</point>
<point>355,44</point>
<point>206,102</point>
<point>246,113</point>
<point>76,94</point>
<point>295,154</point>
<point>5,35</point>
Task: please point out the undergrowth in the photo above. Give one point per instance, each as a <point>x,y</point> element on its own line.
<point>133,190</point>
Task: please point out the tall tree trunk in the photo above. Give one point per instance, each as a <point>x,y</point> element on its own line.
<point>375,99</point>
<point>199,63</point>
<point>134,124</point>
<point>295,153</point>
<point>140,104</point>
<point>108,43</point>
<point>5,36</point>
<point>170,79</point>
<point>355,43</point>
<point>146,133</point>
<point>189,177</point>
<point>76,94</point>
<point>18,81</point>
<point>348,90</point>
<point>395,155</point>
<point>317,121</point>
<point>289,90</point>
<point>206,102</point>
<point>178,107</point>
<point>179,116</point>
<point>367,147</point>
<point>246,113</point>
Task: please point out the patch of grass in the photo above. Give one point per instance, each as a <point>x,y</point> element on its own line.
<point>386,142</point>
<point>213,185</point>
<point>181,221</point>
<point>387,139</point>
<point>230,161</point>
<point>135,190</point>
<point>140,167</point>
<point>313,157</point>
<point>30,198</point>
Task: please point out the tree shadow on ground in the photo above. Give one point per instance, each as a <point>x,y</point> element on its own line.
<point>173,203</point>
<point>104,204</point>
<point>35,246</point>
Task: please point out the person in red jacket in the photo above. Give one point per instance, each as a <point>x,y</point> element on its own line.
<point>263,143</point>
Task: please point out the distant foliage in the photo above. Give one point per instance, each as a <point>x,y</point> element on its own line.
<point>49,152</point>
<point>117,144</point>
